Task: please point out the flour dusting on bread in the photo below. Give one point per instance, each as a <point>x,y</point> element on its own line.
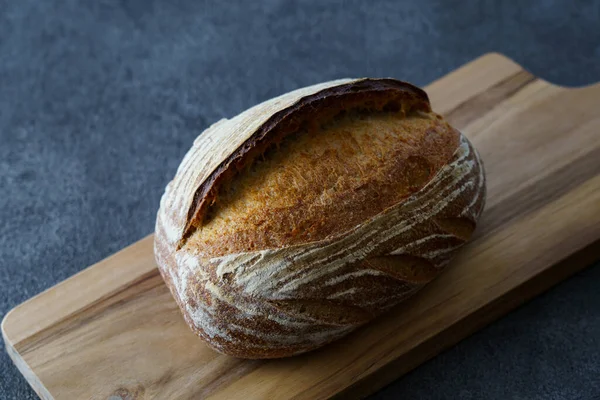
<point>304,217</point>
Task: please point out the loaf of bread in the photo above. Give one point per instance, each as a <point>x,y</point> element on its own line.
<point>306,216</point>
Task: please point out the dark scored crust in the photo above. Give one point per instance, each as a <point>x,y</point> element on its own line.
<point>367,94</point>
<point>327,178</point>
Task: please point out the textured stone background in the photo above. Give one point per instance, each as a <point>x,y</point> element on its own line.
<point>100,99</point>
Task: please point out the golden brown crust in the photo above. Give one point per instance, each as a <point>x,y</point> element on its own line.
<point>367,95</point>
<point>263,275</point>
<point>326,179</point>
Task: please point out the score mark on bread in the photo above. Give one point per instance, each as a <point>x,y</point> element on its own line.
<point>306,216</point>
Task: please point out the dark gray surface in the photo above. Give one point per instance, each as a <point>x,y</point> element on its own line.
<point>99,100</point>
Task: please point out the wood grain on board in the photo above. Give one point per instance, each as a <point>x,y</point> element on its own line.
<point>114,332</point>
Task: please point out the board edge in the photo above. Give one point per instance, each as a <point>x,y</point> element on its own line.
<point>443,341</point>
<point>30,377</point>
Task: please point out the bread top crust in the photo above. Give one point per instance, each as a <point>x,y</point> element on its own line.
<point>230,146</point>
<point>329,176</point>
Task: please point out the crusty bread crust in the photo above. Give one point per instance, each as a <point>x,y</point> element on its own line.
<point>324,180</point>
<point>306,216</point>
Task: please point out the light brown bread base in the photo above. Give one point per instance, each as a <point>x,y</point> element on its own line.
<point>327,207</point>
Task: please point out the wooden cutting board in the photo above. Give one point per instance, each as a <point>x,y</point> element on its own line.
<point>114,332</point>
